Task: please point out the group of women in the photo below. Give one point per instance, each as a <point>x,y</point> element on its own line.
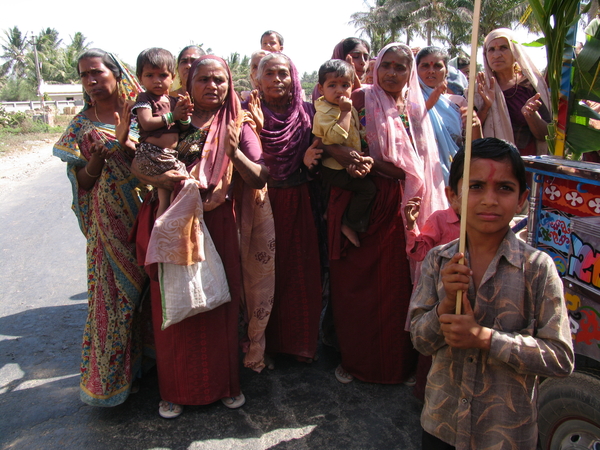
<point>255,163</point>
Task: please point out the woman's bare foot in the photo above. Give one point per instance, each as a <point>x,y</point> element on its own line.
<point>351,235</point>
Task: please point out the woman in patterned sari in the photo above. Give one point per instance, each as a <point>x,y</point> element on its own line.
<point>106,198</point>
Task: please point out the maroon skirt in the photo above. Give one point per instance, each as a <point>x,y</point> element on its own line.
<point>294,323</point>
<point>198,358</point>
<point>371,289</point>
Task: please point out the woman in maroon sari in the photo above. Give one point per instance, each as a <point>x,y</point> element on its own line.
<point>371,284</point>
<point>286,134</point>
<point>198,358</point>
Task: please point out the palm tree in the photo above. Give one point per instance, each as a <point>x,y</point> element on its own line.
<point>14,46</point>
<point>240,72</point>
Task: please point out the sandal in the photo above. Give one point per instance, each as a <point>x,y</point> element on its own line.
<point>411,381</point>
<point>269,362</point>
<point>168,410</point>
<point>135,387</point>
<point>342,376</point>
<point>234,402</point>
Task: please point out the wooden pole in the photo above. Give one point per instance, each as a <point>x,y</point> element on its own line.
<point>462,243</point>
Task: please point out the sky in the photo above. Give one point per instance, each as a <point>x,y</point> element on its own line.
<point>311,28</point>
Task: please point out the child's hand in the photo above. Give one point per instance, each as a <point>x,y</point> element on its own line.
<point>455,277</point>
<point>411,212</point>
<point>313,155</point>
<point>463,331</point>
<point>345,104</point>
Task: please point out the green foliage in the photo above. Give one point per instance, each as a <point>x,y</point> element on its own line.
<point>17,90</point>
<point>11,120</point>
<point>555,18</point>
<point>240,72</point>
<point>446,21</point>
<point>57,62</point>
<point>583,133</point>
<point>309,81</point>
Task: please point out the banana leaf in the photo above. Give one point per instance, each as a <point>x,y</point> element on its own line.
<point>583,134</point>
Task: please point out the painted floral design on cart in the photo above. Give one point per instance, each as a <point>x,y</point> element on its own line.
<point>594,205</point>
<point>574,199</point>
<point>552,192</point>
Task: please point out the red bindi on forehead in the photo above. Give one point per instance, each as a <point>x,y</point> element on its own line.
<point>492,171</point>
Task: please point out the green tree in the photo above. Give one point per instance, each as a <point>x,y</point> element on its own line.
<point>240,72</point>
<point>308,82</point>
<point>14,48</point>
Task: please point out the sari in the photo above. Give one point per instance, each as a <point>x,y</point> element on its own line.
<point>198,358</point>
<point>371,284</point>
<point>293,326</point>
<point>447,125</point>
<point>111,349</point>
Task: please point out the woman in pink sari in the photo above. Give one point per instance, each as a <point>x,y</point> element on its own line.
<point>198,358</point>
<point>371,284</point>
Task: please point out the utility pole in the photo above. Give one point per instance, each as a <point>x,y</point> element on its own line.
<point>39,80</point>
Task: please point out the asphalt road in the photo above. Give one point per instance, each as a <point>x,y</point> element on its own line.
<point>42,312</point>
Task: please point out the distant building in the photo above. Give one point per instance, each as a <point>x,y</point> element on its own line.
<point>63,92</point>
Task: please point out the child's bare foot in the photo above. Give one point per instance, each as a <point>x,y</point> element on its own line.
<point>351,235</point>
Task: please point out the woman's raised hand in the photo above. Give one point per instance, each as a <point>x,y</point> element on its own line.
<point>256,111</point>
<point>531,106</point>
<point>439,90</point>
<point>487,92</point>
<point>122,125</point>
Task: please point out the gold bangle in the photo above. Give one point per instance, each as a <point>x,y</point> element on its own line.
<point>89,174</point>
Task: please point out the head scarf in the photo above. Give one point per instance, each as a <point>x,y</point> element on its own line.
<point>447,125</point>
<point>128,86</point>
<point>498,122</point>
<point>211,168</point>
<point>285,139</point>
<point>389,141</point>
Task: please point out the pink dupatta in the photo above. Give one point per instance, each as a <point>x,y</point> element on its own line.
<point>389,140</point>
<point>212,169</point>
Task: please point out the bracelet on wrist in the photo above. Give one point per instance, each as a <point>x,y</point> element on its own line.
<point>186,121</point>
<point>89,174</point>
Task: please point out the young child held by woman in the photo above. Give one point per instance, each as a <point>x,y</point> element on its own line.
<point>160,118</point>
<point>482,387</point>
<point>336,122</point>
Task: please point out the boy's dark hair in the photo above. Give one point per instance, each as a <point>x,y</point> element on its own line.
<point>277,35</point>
<point>489,148</point>
<point>338,67</point>
<point>435,51</point>
<point>156,58</point>
<point>106,58</point>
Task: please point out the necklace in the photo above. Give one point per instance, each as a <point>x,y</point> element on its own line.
<point>515,91</point>
<point>96,113</point>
